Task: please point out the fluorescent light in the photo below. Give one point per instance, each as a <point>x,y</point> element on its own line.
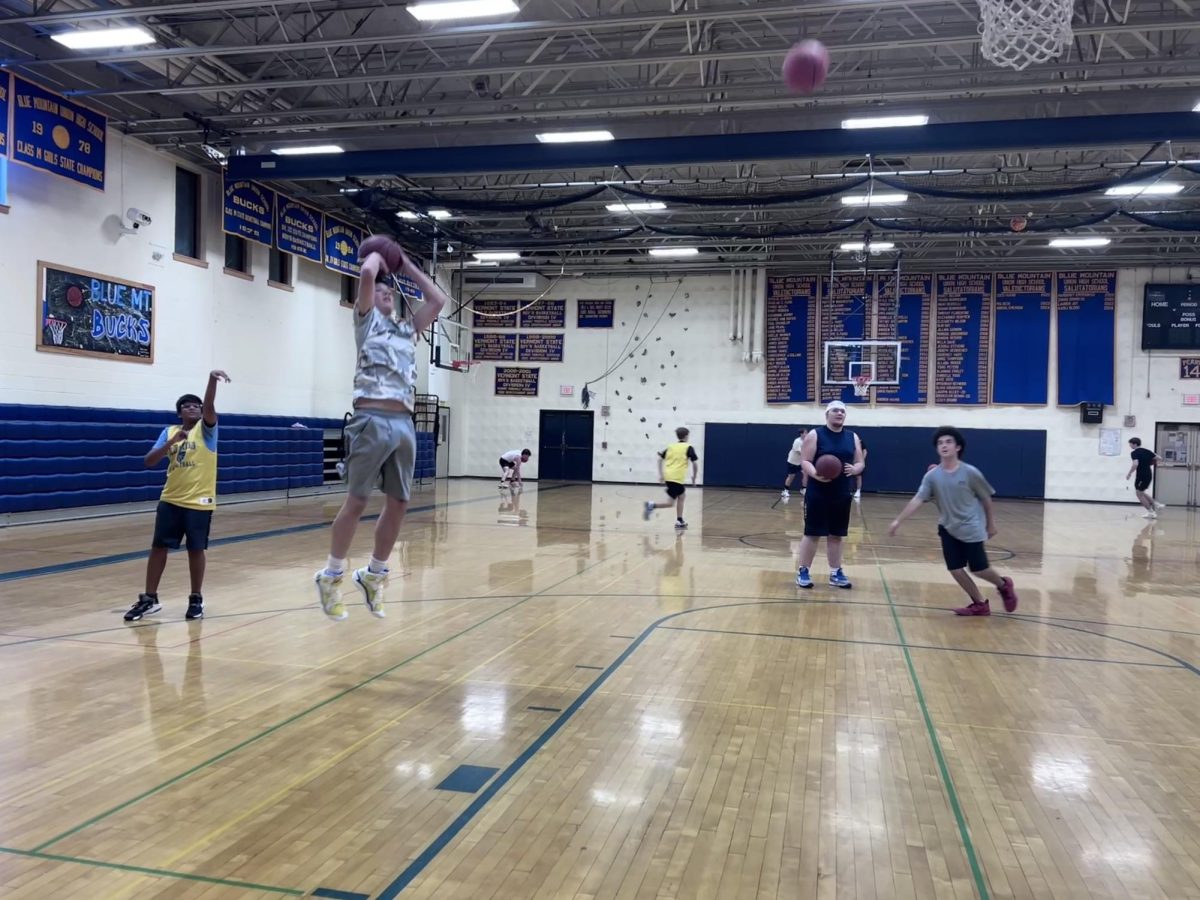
<point>574,137</point>
<point>438,214</point>
<point>462,9</point>
<point>674,251</point>
<point>103,38</point>
<point>349,190</point>
<point>652,206</point>
<point>886,122</point>
<point>876,246</point>
<point>306,151</point>
<point>1196,108</point>
<point>405,214</point>
<point>1149,190</point>
<point>497,256</point>
<point>874,199</point>
<point>1081,242</point>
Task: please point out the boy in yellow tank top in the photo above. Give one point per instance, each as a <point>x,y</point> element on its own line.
<point>188,498</point>
<point>672,470</point>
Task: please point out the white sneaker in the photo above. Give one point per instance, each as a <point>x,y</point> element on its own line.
<point>1150,515</point>
<point>372,585</point>
<point>1158,505</point>
<point>647,510</point>
<point>785,496</point>
<point>858,496</point>
<point>329,593</point>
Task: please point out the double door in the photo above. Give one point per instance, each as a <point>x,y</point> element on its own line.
<point>1177,476</point>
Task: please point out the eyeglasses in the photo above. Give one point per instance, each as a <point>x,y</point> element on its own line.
<point>192,405</point>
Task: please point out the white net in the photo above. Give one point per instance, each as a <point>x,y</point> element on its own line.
<point>862,385</point>
<point>1019,33</point>
<point>57,329</point>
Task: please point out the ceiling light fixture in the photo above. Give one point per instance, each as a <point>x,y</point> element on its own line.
<point>103,38</point>
<point>461,9</point>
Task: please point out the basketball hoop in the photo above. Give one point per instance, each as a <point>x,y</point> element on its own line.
<point>1019,33</point>
<point>58,328</point>
<point>461,365</point>
<point>862,385</point>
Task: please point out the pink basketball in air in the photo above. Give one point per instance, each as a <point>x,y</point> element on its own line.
<point>805,67</point>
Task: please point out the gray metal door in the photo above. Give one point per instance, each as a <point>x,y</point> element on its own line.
<point>1177,476</point>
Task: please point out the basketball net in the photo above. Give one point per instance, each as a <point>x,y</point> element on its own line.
<point>1019,33</point>
<point>58,328</point>
<point>862,385</point>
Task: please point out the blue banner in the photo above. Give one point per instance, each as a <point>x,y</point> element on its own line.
<point>845,311</point>
<point>540,348</point>
<point>512,381</point>
<point>51,133</point>
<point>495,346</point>
<point>790,330</point>
<point>545,314</point>
<point>1021,363</point>
<point>408,287</point>
<point>495,313</point>
<point>907,322</point>
<point>341,246</point>
<point>593,313</point>
<point>297,229</point>
<point>964,322</point>
<point>5,86</point>
<point>1087,322</point>
<point>249,211</point>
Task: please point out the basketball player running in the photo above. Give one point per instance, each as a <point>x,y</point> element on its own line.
<point>793,467</point>
<point>1143,462</point>
<point>510,466</point>
<point>827,502</point>
<point>964,501</point>
<point>382,440</point>
<point>672,469</point>
<point>188,498</point>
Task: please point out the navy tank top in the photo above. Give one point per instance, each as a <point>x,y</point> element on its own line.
<point>841,445</point>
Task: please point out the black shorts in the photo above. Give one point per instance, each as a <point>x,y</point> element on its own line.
<point>961,555</point>
<point>1142,482</point>
<point>794,469</point>
<point>172,523</point>
<point>506,464</point>
<point>675,489</point>
<point>827,516</point>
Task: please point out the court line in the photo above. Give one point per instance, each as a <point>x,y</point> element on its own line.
<point>145,870</point>
<point>303,713</point>
<point>214,634</point>
<point>827,640</point>
<point>112,559</point>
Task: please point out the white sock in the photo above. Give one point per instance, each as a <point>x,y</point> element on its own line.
<point>335,566</point>
<point>378,567</point>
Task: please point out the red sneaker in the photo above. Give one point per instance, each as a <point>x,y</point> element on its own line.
<point>1008,595</point>
<point>975,609</point>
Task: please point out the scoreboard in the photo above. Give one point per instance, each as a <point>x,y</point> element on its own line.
<point>1171,317</point>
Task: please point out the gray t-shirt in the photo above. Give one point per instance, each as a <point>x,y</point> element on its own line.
<point>387,359</point>
<point>959,497</point>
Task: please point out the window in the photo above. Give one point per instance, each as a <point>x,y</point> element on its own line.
<point>187,213</point>
<point>237,256</point>
<point>280,270</point>
<point>349,290</point>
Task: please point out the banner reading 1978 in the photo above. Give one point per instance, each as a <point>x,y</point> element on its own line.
<point>51,133</point>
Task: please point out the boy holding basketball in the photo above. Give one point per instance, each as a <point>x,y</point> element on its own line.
<point>964,501</point>
<point>382,440</point>
<point>188,498</point>
<point>827,500</point>
<point>672,469</point>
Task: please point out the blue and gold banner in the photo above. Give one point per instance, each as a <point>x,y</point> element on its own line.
<point>51,133</point>
<point>408,287</point>
<point>495,346</point>
<point>512,381</point>
<point>341,240</point>
<point>298,229</point>
<point>540,348</point>
<point>545,314</point>
<point>249,211</point>
<point>5,93</point>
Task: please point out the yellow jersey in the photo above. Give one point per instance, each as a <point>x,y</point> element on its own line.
<point>675,461</point>
<point>191,467</point>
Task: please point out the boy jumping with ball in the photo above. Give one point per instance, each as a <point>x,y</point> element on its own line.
<point>964,501</point>
<point>383,442</point>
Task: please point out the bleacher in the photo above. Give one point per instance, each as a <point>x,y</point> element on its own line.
<point>56,457</point>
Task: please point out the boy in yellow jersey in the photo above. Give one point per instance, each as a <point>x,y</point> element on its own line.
<point>188,498</point>
<point>672,469</point>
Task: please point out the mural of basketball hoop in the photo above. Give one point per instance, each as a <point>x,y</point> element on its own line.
<point>89,314</point>
<point>56,329</point>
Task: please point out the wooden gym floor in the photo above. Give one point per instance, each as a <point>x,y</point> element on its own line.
<point>648,715</point>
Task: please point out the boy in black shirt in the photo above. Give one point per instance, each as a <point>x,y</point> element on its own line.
<point>1143,461</point>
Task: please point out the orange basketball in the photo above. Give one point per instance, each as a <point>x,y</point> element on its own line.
<point>393,255</point>
<point>828,466</point>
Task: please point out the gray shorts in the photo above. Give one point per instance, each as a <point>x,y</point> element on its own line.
<point>383,451</point>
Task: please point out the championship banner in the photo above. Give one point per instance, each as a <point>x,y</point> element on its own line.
<point>298,229</point>
<point>249,211</point>
<point>341,240</point>
<point>51,133</point>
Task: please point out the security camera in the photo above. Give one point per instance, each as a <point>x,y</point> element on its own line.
<point>136,217</point>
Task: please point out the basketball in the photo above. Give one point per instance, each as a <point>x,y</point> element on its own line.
<point>1018,224</point>
<point>805,67</point>
<point>829,466</point>
<point>393,256</point>
<point>75,296</point>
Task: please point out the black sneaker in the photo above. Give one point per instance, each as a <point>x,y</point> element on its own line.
<point>147,605</point>
<point>195,607</point>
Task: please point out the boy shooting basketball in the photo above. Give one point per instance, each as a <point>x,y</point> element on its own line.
<point>382,440</point>
<point>188,498</point>
<point>1144,462</point>
<point>964,501</point>
<point>672,469</point>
